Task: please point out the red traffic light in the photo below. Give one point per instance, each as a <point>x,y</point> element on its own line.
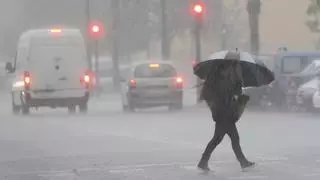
<point>95,30</point>
<point>198,8</point>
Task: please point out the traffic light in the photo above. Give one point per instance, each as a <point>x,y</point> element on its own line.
<point>197,10</point>
<point>96,30</point>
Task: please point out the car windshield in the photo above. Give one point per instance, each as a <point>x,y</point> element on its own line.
<point>154,71</point>
<point>312,68</point>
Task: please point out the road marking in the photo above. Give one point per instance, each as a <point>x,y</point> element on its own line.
<point>249,177</point>
<point>190,167</point>
<point>178,143</point>
<point>118,171</point>
<point>63,174</point>
<point>312,174</point>
<point>130,168</point>
<point>272,158</point>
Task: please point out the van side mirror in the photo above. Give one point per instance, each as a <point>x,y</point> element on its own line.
<point>9,67</point>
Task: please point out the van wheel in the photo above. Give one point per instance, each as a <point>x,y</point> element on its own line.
<point>71,109</point>
<point>83,108</point>
<point>25,109</point>
<point>15,109</point>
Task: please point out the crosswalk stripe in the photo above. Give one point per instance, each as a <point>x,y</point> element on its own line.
<point>249,177</point>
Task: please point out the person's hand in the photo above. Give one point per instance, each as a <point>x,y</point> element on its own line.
<point>235,97</point>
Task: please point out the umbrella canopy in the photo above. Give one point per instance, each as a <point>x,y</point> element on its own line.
<point>254,72</point>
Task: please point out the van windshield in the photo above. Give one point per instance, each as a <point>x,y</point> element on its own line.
<point>57,41</point>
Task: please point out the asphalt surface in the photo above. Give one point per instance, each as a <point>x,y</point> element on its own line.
<point>152,144</point>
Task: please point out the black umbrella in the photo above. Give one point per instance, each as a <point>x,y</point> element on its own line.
<point>254,72</point>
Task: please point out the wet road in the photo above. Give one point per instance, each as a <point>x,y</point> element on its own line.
<point>154,144</point>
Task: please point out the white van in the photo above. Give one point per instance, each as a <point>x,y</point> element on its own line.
<point>50,69</point>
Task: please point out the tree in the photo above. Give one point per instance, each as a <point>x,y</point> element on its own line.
<point>139,21</point>
<point>253,8</point>
<point>313,12</point>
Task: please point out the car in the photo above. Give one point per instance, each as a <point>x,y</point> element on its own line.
<point>152,84</point>
<point>305,94</point>
<point>316,100</point>
<point>50,69</point>
<point>286,65</point>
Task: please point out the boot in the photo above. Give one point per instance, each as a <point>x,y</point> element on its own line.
<point>203,164</point>
<point>247,164</point>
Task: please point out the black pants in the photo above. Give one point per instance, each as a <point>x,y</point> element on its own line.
<point>220,130</point>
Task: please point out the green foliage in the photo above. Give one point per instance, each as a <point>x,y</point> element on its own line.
<point>313,11</point>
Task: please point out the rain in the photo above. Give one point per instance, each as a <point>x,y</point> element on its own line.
<point>115,89</point>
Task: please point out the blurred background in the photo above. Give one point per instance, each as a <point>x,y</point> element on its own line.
<point>140,22</point>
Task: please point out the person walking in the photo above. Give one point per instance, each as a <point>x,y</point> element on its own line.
<point>222,91</point>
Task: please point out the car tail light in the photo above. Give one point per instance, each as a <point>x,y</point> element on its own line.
<point>194,63</point>
<point>132,83</point>
<point>179,82</point>
<point>87,79</point>
<point>26,79</point>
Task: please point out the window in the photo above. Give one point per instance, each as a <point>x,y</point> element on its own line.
<point>163,70</point>
<point>21,58</point>
<point>291,64</point>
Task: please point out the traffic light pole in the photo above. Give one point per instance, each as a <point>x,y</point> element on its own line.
<point>88,18</point>
<point>97,72</point>
<point>115,39</point>
<point>253,8</point>
<point>165,46</point>
<point>197,37</point>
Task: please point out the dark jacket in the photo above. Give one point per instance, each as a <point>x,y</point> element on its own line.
<point>220,95</point>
